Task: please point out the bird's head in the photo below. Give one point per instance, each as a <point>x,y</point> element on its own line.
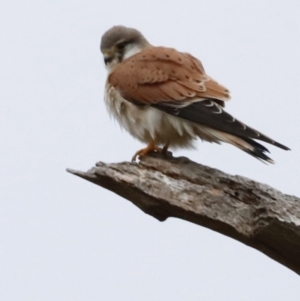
<point>119,43</point>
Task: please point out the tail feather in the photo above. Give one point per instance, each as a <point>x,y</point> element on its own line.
<point>258,151</point>
<point>247,145</point>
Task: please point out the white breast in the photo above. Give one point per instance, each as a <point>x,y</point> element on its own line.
<point>140,122</point>
<point>146,123</point>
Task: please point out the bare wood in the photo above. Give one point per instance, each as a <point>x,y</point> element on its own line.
<point>250,212</point>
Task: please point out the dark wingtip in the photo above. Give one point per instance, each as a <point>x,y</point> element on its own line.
<point>281,146</point>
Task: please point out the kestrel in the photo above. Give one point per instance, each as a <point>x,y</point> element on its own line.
<point>164,97</point>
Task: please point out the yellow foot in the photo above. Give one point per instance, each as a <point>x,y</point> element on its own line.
<point>145,151</point>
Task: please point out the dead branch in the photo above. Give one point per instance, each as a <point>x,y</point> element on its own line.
<point>250,212</point>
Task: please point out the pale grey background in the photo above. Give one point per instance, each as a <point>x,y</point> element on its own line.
<point>62,238</point>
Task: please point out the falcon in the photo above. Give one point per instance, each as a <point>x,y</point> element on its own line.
<point>164,98</point>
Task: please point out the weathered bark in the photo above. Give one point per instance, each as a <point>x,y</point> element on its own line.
<point>250,212</point>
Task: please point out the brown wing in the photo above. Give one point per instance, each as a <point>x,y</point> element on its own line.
<point>159,74</point>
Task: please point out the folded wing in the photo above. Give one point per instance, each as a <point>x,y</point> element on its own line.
<point>176,83</point>
<point>159,74</point>
<point>209,113</point>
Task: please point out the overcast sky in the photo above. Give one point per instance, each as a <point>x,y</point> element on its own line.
<point>62,238</point>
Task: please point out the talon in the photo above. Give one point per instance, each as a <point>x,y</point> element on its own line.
<point>165,148</point>
<point>145,151</point>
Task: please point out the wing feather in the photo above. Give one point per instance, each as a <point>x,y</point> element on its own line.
<point>210,114</point>
<point>177,84</point>
<point>180,76</point>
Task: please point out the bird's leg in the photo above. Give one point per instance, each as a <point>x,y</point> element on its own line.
<point>145,151</point>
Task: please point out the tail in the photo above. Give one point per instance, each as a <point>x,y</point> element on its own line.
<point>245,144</point>
<point>257,150</point>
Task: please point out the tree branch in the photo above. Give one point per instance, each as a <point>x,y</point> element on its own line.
<point>250,212</point>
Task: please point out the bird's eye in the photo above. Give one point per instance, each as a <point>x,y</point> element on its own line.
<point>121,45</point>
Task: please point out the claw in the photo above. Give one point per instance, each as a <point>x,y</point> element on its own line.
<point>145,151</point>
<point>165,148</point>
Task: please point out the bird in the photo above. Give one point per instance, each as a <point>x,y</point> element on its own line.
<point>165,98</point>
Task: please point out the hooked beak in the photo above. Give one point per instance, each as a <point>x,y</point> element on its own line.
<point>107,58</point>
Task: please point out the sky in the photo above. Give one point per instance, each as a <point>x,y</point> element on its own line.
<point>62,238</point>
